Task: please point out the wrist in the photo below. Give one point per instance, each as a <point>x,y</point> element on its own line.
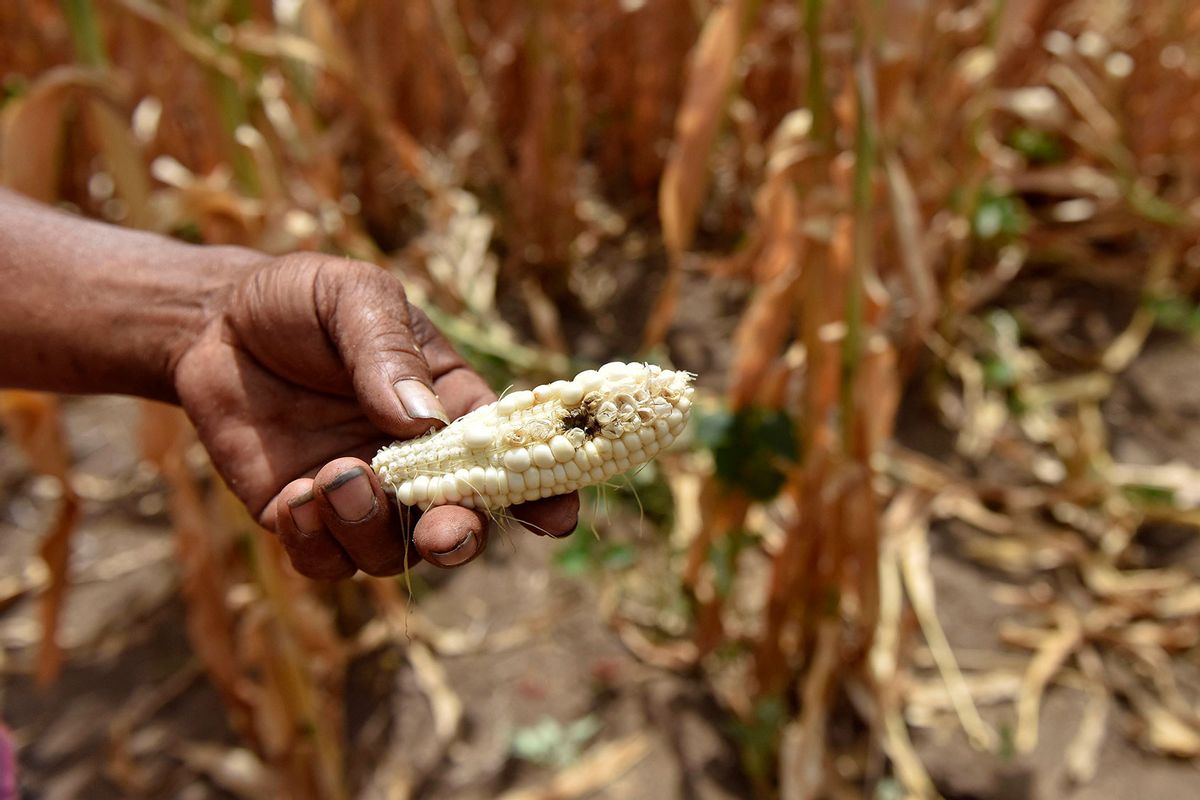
<point>99,309</point>
<point>195,294</point>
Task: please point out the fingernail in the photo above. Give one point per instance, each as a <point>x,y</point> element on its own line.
<point>419,401</point>
<point>304,513</point>
<point>458,554</point>
<point>351,495</point>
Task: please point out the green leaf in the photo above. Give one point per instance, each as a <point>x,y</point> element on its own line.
<point>751,449</point>
<point>998,373</point>
<point>1145,495</point>
<point>13,86</point>
<point>574,558</point>
<point>1175,313</point>
<point>889,788</point>
<point>619,556</point>
<point>758,736</point>
<point>1039,147</point>
<point>552,744</point>
<point>723,556</point>
<point>584,552</point>
<point>998,216</point>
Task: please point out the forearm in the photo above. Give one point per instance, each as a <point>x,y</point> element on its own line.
<point>88,307</point>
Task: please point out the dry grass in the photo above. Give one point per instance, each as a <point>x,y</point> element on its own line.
<point>877,173</point>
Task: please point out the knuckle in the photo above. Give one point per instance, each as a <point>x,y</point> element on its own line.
<point>423,329</point>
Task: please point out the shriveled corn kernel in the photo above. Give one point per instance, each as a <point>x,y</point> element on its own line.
<point>548,441</point>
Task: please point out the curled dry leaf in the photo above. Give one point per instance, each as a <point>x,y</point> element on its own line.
<point>34,421</point>
<point>32,127</point>
<point>446,705</point>
<point>685,176</point>
<point>1083,754</point>
<point>602,766</point>
<point>802,753</point>
<point>235,769</point>
<point>918,581</point>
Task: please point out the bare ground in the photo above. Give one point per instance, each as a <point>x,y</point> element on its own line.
<point>131,665</point>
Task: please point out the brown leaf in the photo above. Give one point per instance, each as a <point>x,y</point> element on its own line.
<point>803,748</point>
<point>444,702</point>
<point>55,550</point>
<point>236,770</point>
<point>165,436</point>
<point>764,326</point>
<point>601,767</point>
<point>685,176</point>
<point>31,132</point>
<point>33,420</point>
<point>1051,656</point>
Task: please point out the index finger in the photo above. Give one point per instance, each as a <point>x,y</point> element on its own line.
<point>462,389</point>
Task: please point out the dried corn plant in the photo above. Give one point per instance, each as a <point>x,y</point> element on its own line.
<point>874,175</point>
<point>934,153</point>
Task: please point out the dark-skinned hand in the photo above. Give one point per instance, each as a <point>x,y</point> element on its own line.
<point>304,368</point>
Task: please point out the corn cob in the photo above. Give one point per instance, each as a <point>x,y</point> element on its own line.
<point>548,441</point>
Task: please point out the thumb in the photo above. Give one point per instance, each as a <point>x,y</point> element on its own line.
<point>366,313</point>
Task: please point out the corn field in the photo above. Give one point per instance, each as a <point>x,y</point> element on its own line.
<point>917,252</point>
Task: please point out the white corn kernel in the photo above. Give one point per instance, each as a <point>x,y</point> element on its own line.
<point>561,449</point>
<point>571,393</point>
<point>521,447</point>
<point>478,437</point>
<point>589,380</point>
<point>542,455</point>
<point>517,460</point>
<point>421,488</point>
<point>515,401</point>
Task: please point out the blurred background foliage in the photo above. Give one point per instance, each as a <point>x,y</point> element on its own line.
<point>970,216</point>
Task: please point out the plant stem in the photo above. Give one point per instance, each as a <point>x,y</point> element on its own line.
<point>818,99</point>
<point>85,32</point>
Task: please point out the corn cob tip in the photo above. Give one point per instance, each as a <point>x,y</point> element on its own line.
<point>546,441</point>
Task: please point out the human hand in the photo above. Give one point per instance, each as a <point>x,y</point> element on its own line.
<point>305,367</point>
